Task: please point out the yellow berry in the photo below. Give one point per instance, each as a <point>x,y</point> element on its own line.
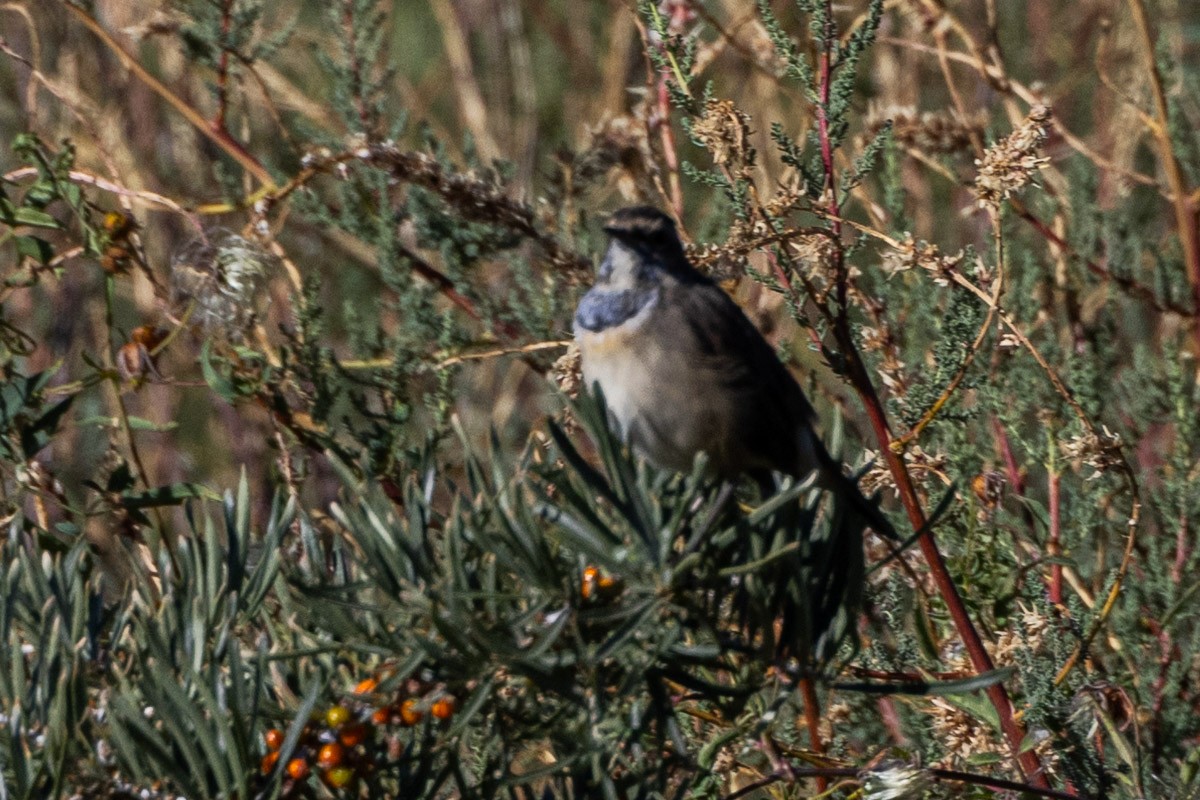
<point>337,716</point>
<point>339,776</point>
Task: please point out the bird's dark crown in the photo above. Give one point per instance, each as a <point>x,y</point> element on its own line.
<point>641,222</point>
<point>651,234</point>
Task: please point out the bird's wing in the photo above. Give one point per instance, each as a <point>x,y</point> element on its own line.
<point>736,375</point>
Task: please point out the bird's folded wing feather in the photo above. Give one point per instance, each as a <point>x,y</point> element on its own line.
<point>716,343</point>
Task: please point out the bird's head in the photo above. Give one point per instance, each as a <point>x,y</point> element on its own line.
<point>644,246</point>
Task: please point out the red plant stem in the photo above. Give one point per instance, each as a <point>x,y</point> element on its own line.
<point>1168,655</point>
<point>668,145</point>
<point>1053,547</point>
<point>1181,551</point>
<point>1132,287</point>
<point>856,372</point>
<point>1010,461</point>
<point>812,719</point>
<point>891,721</point>
<point>1011,471</point>
<point>218,135</point>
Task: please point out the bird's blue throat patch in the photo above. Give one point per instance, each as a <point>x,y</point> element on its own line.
<point>601,309</point>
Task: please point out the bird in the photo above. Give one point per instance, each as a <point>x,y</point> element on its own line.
<point>683,370</point>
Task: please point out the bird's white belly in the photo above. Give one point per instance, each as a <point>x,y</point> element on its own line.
<point>633,372</point>
<point>615,360</point>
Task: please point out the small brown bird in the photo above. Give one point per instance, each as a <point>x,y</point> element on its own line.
<point>684,371</point>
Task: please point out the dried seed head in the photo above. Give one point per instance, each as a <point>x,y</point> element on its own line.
<point>1010,163</point>
<point>912,253</point>
<point>932,132</point>
<point>618,148</point>
<point>1101,451</point>
<point>724,130</point>
<point>225,275</point>
<point>567,373</point>
<point>897,781</point>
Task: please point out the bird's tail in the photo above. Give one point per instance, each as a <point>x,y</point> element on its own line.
<point>846,492</point>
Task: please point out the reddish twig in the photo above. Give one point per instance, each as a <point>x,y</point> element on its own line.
<point>856,372</point>
<point>1129,285</point>
<point>812,719</point>
<point>218,122</point>
<point>219,136</point>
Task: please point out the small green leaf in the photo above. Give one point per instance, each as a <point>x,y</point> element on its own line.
<point>171,495</point>
<point>35,248</point>
<point>38,435</point>
<point>216,381</point>
<point>34,218</point>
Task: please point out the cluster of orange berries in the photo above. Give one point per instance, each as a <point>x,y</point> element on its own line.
<point>337,748</point>
<point>596,586</point>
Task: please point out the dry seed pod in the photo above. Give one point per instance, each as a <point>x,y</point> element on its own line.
<point>225,276</point>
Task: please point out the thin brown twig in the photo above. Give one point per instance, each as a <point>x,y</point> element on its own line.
<point>112,187</point>
<point>1027,95</point>
<point>471,105</point>
<point>856,371</point>
<point>219,137</point>
<point>1186,220</point>
<point>222,81</point>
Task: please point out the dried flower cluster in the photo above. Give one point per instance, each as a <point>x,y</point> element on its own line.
<point>724,130</point>
<point>1028,634</point>
<point>890,367</point>
<point>895,782</point>
<point>936,132</point>
<point>618,148</point>
<point>225,276</point>
<point>963,738</point>
<point>566,372</point>
<point>1010,163</point>
<point>1099,450</point>
<point>912,253</point>
<point>921,465</point>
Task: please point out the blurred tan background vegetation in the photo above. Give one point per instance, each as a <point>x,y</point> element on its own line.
<point>347,226</point>
<point>527,82</point>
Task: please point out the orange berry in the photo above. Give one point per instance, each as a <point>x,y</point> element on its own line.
<point>381,716</point>
<point>353,735</point>
<point>339,776</point>
<point>409,713</point>
<point>442,708</point>
<point>588,586</point>
<point>297,768</point>
<point>273,739</point>
<point>337,716</point>
<point>268,762</point>
<point>330,755</point>
<point>366,686</point>
<point>117,223</point>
